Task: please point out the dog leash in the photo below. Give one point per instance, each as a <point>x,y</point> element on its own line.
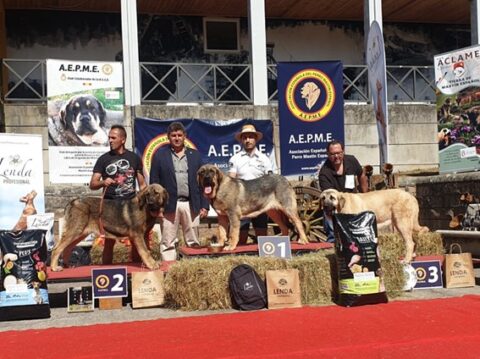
<point>100,221</point>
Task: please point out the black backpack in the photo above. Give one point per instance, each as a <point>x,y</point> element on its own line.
<point>247,289</point>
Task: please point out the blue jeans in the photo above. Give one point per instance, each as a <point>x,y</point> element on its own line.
<point>328,227</point>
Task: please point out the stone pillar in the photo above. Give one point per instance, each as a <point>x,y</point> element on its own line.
<point>258,51</point>
<point>131,64</point>
<point>372,11</point>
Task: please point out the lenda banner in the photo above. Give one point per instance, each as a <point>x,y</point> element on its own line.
<point>310,103</point>
<point>21,178</point>
<point>213,139</point>
<point>457,76</point>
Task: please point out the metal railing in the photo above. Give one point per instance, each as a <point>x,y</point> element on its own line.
<point>161,82</point>
<point>195,82</point>
<point>24,80</point>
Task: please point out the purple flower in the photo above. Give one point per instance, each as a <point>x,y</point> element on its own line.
<point>476,140</point>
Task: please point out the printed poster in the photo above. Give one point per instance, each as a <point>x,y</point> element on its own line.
<point>310,105</point>
<point>23,274</point>
<point>21,176</point>
<point>215,140</point>
<point>457,76</point>
<point>377,77</point>
<point>85,98</point>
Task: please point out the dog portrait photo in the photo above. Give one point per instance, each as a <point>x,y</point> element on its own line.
<point>79,121</point>
<point>133,218</point>
<point>392,207</point>
<point>233,199</point>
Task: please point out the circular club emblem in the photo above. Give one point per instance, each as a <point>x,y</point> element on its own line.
<point>310,95</point>
<point>268,248</point>
<point>421,274</point>
<point>102,281</point>
<point>107,69</point>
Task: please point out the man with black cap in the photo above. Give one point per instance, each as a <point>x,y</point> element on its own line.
<point>249,164</point>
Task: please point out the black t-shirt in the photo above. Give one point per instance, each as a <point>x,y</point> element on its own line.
<point>123,169</point>
<point>328,178</point>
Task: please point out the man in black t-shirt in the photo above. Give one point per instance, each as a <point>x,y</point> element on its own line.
<point>116,172</point>
<point>340,172</point>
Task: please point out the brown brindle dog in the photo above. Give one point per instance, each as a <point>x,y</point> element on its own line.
<point>133,218</point>
<point>233,198</point>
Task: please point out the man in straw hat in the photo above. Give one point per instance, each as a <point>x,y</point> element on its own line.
<point>249,164</point>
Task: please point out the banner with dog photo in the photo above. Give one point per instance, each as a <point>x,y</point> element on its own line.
<point>85,98</point>
<point>215,140</point>
<point>457,77</point>
<point>21,189</point>
<point>310,109</point>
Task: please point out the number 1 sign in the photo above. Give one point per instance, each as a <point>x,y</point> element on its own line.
<point>274,246</point>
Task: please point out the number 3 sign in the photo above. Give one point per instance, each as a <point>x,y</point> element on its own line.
<point>429,274</point>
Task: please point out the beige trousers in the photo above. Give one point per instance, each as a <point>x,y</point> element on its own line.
<point>170,224</point>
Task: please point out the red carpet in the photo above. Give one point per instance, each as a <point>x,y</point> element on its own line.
<point>440,328</point>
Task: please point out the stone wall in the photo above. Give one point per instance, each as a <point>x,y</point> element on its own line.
<point>439,196</point>
<point>412,134</point>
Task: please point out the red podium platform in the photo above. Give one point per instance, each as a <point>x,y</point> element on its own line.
<point>251,249</point>
<point>85,272</point>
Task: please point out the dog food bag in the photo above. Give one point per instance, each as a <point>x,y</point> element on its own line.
<point>359,274</point>
<point>23,275</point>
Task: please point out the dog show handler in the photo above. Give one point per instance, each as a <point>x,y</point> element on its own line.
<point>339,172</point>
<point>117,172</point>
<point>250,164</point>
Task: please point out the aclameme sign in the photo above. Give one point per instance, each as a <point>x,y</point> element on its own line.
<point>457,77</point>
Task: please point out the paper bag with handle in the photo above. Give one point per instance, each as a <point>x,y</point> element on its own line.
<point>283,288</point>
<point>458,268</point>
<point>147,289</point>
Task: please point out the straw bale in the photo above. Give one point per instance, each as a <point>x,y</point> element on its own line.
<point>200,284</point>
<point>392,247</point>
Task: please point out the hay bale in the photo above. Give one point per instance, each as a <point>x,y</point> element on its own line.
<point>200,284</point>
<point>392,247</point>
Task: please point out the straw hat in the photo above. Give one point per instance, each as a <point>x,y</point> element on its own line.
<point>248,129</point>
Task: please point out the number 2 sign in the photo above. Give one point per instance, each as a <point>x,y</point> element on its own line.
<point>109,282</point>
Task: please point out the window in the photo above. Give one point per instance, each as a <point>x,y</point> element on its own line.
<point>221,35</point>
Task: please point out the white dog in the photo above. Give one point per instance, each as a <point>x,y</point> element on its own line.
<point>392,207</point>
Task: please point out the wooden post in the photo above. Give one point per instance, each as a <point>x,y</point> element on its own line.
<point>109,303</point>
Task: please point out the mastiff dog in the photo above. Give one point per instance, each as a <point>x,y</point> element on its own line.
<point>392,207</point>
<point>81,122</point>
<point>234,198</point>
<point>133,218</point>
